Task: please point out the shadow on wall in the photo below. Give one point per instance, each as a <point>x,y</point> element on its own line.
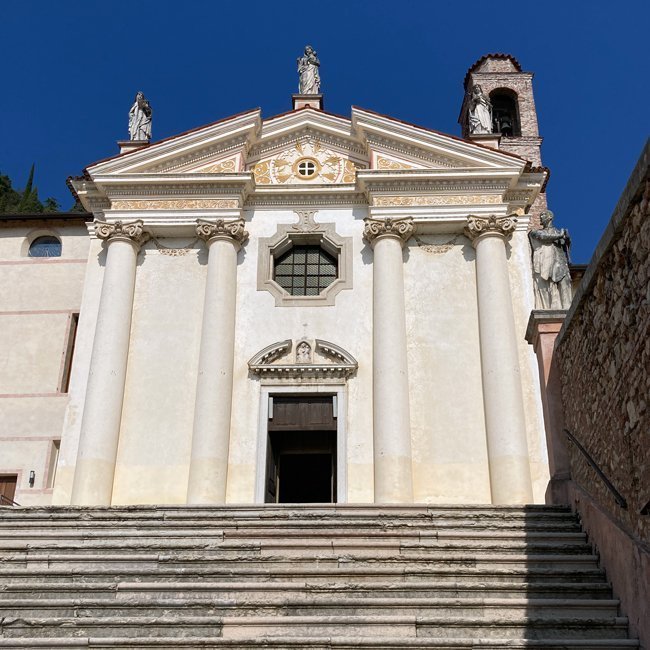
<point>603,357</point>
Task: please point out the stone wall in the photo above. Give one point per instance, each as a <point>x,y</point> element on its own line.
<point>603,352</point>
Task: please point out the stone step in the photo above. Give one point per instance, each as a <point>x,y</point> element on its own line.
<point>318,574</point>
<point>319,643</point>
<point>29,549</point>
<point>306,604</point>
<point>262,589</point>
<point>229,627</point>
<point>215,561</point>
<point>242,535</point>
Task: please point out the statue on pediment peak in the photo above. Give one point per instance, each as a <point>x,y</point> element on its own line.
<point>309,77</point>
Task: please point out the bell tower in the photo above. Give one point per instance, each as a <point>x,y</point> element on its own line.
<point>514,117</point>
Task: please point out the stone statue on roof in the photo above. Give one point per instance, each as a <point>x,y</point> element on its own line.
<point>480,111</point>
<point>309,79</point>
<point>551,264</point>
<point>140,118</point>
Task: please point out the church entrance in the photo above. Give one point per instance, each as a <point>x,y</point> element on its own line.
<point>301,450</point>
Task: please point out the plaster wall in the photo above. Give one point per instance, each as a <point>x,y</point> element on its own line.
<point>38,298</point>
<point>156,430</point>
<point>523,301</point>
<point>260,323</point>
<point>447,422</point>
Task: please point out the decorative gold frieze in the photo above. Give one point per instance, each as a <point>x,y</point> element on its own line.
<point>131,231</point>
<point>232,229</point>
<point>223,167</point>
<point>324,166</point>
<point>400,228</point>
<point>477,226</point>
<point>175,204</point>
<point>449,199</point>
<point>386,163</point>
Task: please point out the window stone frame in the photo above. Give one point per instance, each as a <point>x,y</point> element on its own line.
<point>307,232</point>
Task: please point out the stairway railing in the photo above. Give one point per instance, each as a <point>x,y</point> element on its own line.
<point>7,501</point>
<point>618,497</point>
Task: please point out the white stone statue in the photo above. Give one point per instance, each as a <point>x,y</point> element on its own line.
<point>303,352</point>
<point>308,65</point>
<point>480,111</point>
<point>551,264</point>
<point>140,118</point>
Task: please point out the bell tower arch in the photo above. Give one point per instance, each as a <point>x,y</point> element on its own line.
<point>514,116</point>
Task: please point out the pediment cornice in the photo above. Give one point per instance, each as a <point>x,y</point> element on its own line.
<point>447,150</point>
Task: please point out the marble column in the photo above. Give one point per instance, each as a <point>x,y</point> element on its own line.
<point>503,400</point>
<point>213,405</point>
<point>100,425</point>
<point>391,415</point>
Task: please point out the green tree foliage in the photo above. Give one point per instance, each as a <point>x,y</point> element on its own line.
<point>25,202</point>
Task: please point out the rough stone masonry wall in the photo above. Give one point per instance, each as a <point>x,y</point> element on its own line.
<point>603,352</point>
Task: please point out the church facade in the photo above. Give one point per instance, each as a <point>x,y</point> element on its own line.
<point>301,308</point>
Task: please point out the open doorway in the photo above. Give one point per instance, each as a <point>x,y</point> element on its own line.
<point>301,450</point>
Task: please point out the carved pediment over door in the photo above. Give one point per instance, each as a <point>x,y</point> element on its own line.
<point>292,362</point>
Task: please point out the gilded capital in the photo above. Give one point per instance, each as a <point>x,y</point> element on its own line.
<point>232,229</point>
<point>492,225</point>
<point>375,228</point>
<point>131,231</point>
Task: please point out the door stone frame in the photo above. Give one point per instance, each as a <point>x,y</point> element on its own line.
<point>340,390</point>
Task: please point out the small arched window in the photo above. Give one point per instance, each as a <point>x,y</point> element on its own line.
<point>505,112</point>
<point>47,246</point>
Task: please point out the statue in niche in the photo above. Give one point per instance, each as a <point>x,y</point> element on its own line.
<point>480,111</point>
<point>303,352</point>
<point>551,264</point>
<point>140,118</point>
<point>308,64</point>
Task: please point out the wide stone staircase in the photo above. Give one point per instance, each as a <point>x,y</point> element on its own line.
<point>303,577</point>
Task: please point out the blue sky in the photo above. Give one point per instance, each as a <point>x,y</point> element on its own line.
<point>71,70</point>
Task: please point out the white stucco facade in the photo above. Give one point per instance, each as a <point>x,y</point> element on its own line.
<point>398,342</point>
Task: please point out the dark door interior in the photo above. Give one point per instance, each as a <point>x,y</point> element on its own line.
<point>301,450</point>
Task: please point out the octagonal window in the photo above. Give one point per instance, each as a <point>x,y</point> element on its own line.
<point>305,270</point>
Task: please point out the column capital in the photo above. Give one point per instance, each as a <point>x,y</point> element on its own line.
<point>231,229</point>
<point>129,231</point>
<point>375,229</point>
<point>492,225</point>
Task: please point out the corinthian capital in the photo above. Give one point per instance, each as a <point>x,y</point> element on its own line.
<point>477,226</point>
<point>400,228</point>
<point>131,231</point>
<point>232,229</point>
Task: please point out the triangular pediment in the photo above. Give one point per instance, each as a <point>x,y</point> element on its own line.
<point>334,146</point>
<point>214,148</point>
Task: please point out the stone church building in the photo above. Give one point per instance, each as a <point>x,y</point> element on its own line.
<point>298,308</point>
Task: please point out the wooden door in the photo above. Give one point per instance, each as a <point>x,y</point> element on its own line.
<point>8,487</point>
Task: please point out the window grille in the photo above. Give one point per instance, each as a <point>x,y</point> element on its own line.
<point>305,270</point>
<point>47,246</point>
